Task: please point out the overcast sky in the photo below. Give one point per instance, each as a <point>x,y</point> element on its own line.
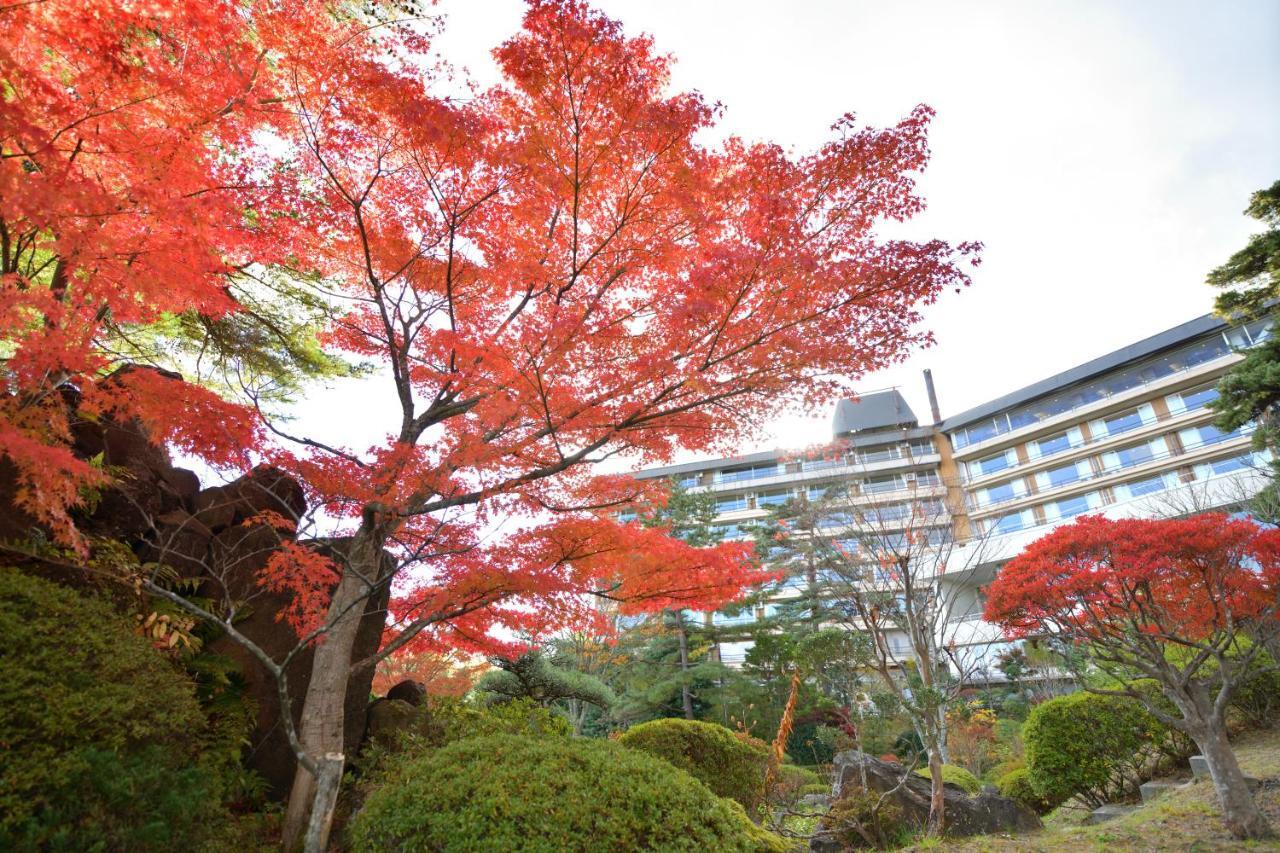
<point>1102,151</point>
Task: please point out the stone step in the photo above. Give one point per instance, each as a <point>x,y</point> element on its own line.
<point>1153,789</point>
<point>1108,812</point>
<point>1200,769</point>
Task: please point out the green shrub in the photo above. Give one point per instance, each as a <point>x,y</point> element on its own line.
<point>790,782</point>
<point>1258,699</point>
<point>729,765</point>
<point>510,792</point>
<point>955,775</point>
<point>100,734</point>
<point>1016,785</point>
<point>815,788</point>
<point>855,822</point>
<point>1087,745</point>
<point>909,747</point>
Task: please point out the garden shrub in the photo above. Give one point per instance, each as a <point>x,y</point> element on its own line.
<point>1087,745</point>
<point>855,821</point>
<point>790,781</point>
<point>100,734</point>
<point>1258,699</point>
<point>518,793</point>
<point>1016,785</point>
<point>729,765</point>
<point>909,747</point>
<point>955,775</point>
<point>818,735</point>
<point>816,788</point>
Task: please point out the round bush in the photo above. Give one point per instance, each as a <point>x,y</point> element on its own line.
<point>955,775</point>
<point>790,782</point>
<point>854,821</point>
<point>1085,744</point>
<point>1016,785</point>
<point>99,733</point>
<point>729,765</point>
<point>509,792</point>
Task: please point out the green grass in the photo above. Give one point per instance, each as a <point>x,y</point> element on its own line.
<point>1187,819</point>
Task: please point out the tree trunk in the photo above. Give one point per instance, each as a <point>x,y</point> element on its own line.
<point>1240,811</point>
<point>937,803</point>
<point>324,707</point>
<point>686,695</point>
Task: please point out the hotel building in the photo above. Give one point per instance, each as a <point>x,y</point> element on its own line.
<point>1125,434</point>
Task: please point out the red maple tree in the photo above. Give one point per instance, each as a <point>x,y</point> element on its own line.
<point>551,273</point>
<point>1191,603</point>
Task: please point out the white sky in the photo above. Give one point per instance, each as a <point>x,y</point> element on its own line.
<point>1102,151</point>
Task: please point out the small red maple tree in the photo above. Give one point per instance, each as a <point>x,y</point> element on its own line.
<point>1191,603</point>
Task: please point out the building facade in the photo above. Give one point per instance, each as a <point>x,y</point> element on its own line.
<point>1125,434</point>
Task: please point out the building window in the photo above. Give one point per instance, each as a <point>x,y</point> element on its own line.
<point>1230,464</point>
<point>1011,523</point>
<point>1192,398</point>
<point>1000,494</point>
<point>1204,436</point>
<point>1056,443</point>
<point>1062,475</point>
<point>886,483</point>
<point>1071,507</point>
<point>751,472</point>
<point>1149,486</point>
<point>1135,454</point>
<point>992,464</point>
<point>774,498</point>
<point>732,503</point>
<point>1122,422</point>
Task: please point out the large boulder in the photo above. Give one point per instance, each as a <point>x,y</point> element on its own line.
<point>987,812</point>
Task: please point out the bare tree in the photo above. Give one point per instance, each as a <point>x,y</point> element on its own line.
<point>883,557</point>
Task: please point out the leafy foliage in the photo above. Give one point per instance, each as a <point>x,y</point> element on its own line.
<point>101,734</point>
<point>1016,785</point>
<point>861,819</point>
<point>1251,277</point>
<point>731,765</point>
<point>532,676</point>
<point>955,775</point>
<point>1086,745</point>
<point>508,792</point>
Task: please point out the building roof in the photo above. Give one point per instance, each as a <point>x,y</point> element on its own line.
<point>1104,364</point>
<point>881,410</point>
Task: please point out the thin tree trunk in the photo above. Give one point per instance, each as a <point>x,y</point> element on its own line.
<point>937,800</point>
<point>324,706</point>
<point>1240,811</point>
<point>686,695</point>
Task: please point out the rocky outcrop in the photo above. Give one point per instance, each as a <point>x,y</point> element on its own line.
<point>987,812</point>
<point>218,535</point>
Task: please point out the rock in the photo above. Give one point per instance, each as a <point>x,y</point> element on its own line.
<point>215,508</point>
<point>1200,770</point>
<point>239,554</point>
<point>1152,790</point>
<point>1110,811</point>
<point>181,541</point>
<point>386,718</point>
<point>984,813</point>
<point>413,692</point>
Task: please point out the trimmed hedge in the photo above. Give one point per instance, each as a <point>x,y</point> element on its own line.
<point>1087,745</point>
<point>790,782</point>
<point>955,775</point>
<point>1016,785</point>
<point>515,793</point>
<point>100,734</point>
<point>730,765</point>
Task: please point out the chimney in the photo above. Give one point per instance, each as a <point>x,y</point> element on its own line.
<point>933,397</point>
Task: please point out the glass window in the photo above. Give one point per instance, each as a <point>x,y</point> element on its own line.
<point>1226,466</point>
<point>1136,454</point>
<point>1001,493</point>
<point>992,464</point>
<point>1192,398</point>
<point>887,483</point>
<point>1203,436</point>
<point>751,472</point>
<point>817,493</point>
<point>689,481</point>
<point>1149,486</point>
<point>1071,507</point>
<point>775,498</point>
<point>1060,476</point>
<point>1056,443</point>
<point>731,503</point>
<point>1012,522</point>
<point>1259,330</point>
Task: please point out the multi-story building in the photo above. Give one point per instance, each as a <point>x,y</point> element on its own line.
<point>1125,434</point>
